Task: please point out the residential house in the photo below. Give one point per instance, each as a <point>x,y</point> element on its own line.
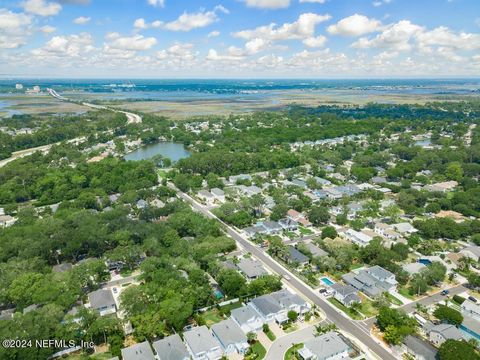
<point>206,196</point>
<point>380,228</point>
<point>331,193</point>
<point>294,256</point>
<point>372,281</point>
<point>157,203</point>
<point>247,318</point>
<point>6,221</point>
<point>315,250</point>
<point>141,204</point>
<point>140,351</point>
<point>442,186</point>
<point>288,224</point>
<point>405,228</point>
<point>202,345</point>
<point>413,268</point>
<point>269,309</point>
<point>252,269</point>
<point>230,336</point>
<point>357,237</point>
<point>329,346</point>
<point>171,348</point>
<point>345,294</point>
<point>378,180</point>
<point>419,349</point>
<point>102,301</point>
<point>272,227</point>
<point>322,181</point>
<point>471,309</point>
<point>298,217</point>
<point>218,194</point>
<point>473,252</point>
<point>291,301</point>
<point>438,334</point>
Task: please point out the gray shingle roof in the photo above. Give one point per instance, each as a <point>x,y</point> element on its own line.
<point>244,313</point>
<point>228,332</point>
<point>171,348</point>
<point>251,268</point>
<point>448,331</point>
<point>420,347</point>
<point>327,345</point>
<point>266,305</point>
<point>141,351</point>
<point>296,255</point>
<point>200,340</point>
<point>101,298</point>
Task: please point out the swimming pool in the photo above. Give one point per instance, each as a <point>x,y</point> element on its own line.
<point>327,281</point>
<point>469,333</point>
<point>424,262</point>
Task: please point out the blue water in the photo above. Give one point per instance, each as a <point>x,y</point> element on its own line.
<point>424,261</point>
<point>469,333</point>
<point>191,88</point>
<point>168,149</point>
<point>327,281</point>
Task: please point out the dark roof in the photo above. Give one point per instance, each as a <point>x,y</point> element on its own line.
<point>171,348</point>
<point>295,255</point>
<point>420,347</point>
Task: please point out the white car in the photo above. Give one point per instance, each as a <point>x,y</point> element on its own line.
<point>115,290</point>
<point>286,277</point>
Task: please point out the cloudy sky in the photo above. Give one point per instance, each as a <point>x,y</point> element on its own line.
<point>240,38</point>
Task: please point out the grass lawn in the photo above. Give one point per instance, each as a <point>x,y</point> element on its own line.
<point>350,312</point>
<point>393,299</point>
<point>270,335</point>
<point>257,351</point>
<point>291,235</point>
<point>290,354</point>
<point>356,266</point>
<point>103,356</point>
<point>162,173</point>
<point>228,308</point>
<point>305,231</point>
<point>291,328</point>
<point>404,292</point>
<point>212,316</point>
<point>366,308</point>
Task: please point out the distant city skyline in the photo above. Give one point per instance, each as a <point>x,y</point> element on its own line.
<point>240,38</point>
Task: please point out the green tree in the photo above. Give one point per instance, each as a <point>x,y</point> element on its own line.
<point>454,349</point>
<point>448,315</point>
<point>292,316</point>
<point>330,232</point>
<point>318,215</point>
<point>231,282</point>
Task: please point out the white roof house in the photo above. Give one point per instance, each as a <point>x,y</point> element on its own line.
<point>325,347</point>
<point>201,344</point>
<point>230,336</point>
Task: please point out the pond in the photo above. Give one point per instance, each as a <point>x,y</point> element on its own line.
<point>173,151</point>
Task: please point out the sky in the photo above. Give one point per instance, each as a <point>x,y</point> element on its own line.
<point>240,38</point>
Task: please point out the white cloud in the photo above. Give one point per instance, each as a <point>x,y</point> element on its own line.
<point>190,21</point>
<point>41,7</point>
<point>141,24</point>
<point>131,43</point>
<point>378,3</point>
<point>177,56</point>
<point>354,25</point>
<point>82,20</point>
<point>233,55</point>
<point>214,33</point>
<point>47,29</point>
<point>303,28</point>
<point>268,4</point>
<point>72,46</point>
<point>158,3</point>
<point>395,36</point>
<point>14,27</point>
<point>443,36</point>
<point>312,1</point>
<point>314,42</point>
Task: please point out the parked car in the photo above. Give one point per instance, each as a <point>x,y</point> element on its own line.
<point>471,298</point>
<point>445,292</point>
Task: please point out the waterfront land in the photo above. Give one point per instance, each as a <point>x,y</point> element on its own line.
<point>363,216</point>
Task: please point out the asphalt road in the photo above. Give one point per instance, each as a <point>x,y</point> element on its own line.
<point>362,333</point>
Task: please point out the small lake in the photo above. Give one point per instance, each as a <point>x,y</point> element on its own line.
<point>173,151</point>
